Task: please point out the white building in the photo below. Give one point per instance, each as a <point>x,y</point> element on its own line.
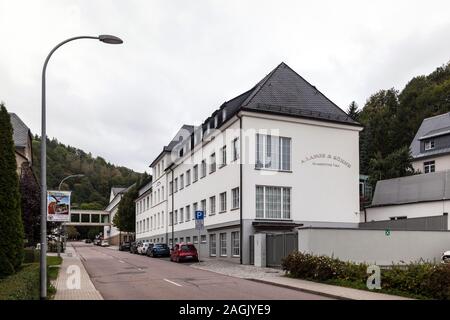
<point>111,233</point>
<point>278,156</point>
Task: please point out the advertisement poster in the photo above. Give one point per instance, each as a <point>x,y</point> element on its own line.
<point>58,206</point>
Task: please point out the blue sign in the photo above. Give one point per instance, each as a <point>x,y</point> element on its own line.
<point>199,215</point>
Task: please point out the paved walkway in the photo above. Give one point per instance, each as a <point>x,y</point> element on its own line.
<point>73,282</point>
<point>277,277</point>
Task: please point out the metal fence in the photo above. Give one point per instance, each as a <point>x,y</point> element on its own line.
<point>279,246</point>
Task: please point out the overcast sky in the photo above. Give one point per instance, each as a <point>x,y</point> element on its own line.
<point>181,59</point>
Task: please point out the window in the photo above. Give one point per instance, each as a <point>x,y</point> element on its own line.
<point>223,202</point>
<point>194,208</point>
<point>188,177</point>
<point>182,239</point>
<point>148,202</point>
<point>235,244</point>
<point>428,166</point>
<point>181,181</point>
<point>212,245</point>
<point>212,205</point>
<point>195,239</point>
<point>203,207</point>
<point>223,244</point>
<point>175,185</point>
<point>273,152</point>
<point>188,239</point>
<point>212,167</point>
<point>175,218</point>
<point>181,215</point>
<point>170,188</point>
<point>170,218</point>
<point>224,114</point>
<point>162,218</point>
<point>203,169</point>
<point>429,144</point>
<point>223,153</point>
<point>235,145</point>
<point>273,202</point>
<point>203,238</point>
<point>188,213</point>
<point>162,193</point>
<point>159,195</point>
<point>235,198</point>
<point>195,178</point>
<point>158,221</point>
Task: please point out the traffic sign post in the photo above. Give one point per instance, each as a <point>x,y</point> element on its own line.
<point>199,225</point>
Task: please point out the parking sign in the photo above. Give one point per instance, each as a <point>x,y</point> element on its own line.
<point>199,215</point>
<point>199,218</point>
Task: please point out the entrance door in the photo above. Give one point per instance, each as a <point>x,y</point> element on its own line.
<point>278,246</point>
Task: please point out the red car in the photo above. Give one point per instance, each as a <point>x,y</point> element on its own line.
<point>184,251</point>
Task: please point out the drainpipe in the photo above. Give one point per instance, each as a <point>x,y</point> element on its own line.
<point>173,204</point>
<point>240,191</point>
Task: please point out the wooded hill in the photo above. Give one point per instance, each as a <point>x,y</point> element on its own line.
<point>391,118</point>
<point>91,191</point>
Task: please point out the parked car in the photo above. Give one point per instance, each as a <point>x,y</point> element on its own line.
<point>184,252</point>
<point>446,257</point>
<point>133,247</point>
<point>97,242</point>
<point>142,249</point>
<point>159,250</point>
<point>88,241</point>
<point>124,246</point>
<point>104,243</point>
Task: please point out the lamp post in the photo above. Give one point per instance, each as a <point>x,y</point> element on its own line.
<point>43,265</point>
<point>58,244</point>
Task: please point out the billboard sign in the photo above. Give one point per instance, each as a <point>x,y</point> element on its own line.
<point>58,206</point>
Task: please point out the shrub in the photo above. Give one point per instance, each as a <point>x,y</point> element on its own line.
<point>23,285</point>
<point>30,255</point>
<point>419,279</point>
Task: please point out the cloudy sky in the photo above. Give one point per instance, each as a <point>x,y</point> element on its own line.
<point>181,59</point>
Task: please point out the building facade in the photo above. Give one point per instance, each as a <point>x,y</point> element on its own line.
<point>22,143</point>
<point>111,233</point>
<point>278,156</point>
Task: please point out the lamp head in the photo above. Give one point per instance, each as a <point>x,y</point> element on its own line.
<point>106,38</point>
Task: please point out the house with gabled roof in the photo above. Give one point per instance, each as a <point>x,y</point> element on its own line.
<point>278,156</point>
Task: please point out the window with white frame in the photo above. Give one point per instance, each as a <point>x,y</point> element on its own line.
<point>203,206</point>
<point>203,238</point>
<point>188,177</point>
<point>181,215</point>
<point>181,181</point>
<point>159,195</point>
<point>195,239</point>
<point>223,154</point>
<point>212,205</point>
<point>235,198</point>
<point>162,193</point>
<point>273,152</point>
<point>429,144</point>
<point>188,213</point>
<point>212,245</point>
<point>203,169</point>
<point>223,244</point>
<point>273,202</point>
<point>223,202</point>
<point>235,244</point>
<point>212,166</point>
<point>158,221</point>
<point>175,217</point>
<point>170,218</point>
<point>162,218</point>
<point>194,208</point>
<point>195,173</point>
<point>235,149</point>
<point>188,239</point>
<point>170,188</point>
<point>429,166</point>
<point>175,185</point>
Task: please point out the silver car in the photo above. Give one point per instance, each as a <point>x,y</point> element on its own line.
<point>446,257</point>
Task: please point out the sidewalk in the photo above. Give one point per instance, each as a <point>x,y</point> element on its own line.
<point>65,281</point>
<point>276,277</point>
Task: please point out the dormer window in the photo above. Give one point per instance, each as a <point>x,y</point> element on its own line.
<point>429,145</point>
<point>224,114</point>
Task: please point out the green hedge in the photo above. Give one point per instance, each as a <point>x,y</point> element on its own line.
<point>23,285</point>
<point>416,279</point>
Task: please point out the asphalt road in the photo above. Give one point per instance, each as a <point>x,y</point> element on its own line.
<point>122,275</point>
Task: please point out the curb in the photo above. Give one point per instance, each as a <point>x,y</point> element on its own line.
<point>328,295</point>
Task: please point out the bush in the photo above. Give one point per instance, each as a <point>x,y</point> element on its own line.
<point>6,268</point>
<point>419,279</point>
<point>23,285</point>
<point>31,255</point>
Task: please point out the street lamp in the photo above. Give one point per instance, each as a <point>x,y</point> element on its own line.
<point>43,267</point>
<point>58,244</point>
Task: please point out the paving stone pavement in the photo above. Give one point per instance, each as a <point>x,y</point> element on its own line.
<point>238,270</point>
<point>73,282</point>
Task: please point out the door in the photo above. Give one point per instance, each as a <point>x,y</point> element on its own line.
<point>278,246</point>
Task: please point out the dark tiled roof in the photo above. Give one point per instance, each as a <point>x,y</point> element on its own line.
<point>21,131</point>
<point>417,188</point>
<point>432,126</point>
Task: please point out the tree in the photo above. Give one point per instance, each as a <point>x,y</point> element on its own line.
<point>72,232</point>
<point>11,227</point>
<point>31,202</point>
<point>353,111</point>
<point>125,218</point>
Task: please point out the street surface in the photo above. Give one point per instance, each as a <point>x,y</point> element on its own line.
<point>122,275</point>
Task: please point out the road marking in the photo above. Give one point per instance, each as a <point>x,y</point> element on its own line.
<point>140,269</point>
<point>177,284</point>
<point>121,261</point>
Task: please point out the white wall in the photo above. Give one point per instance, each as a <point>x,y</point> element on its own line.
<point>320,193</point>
<point>412,210</point>
<point>441,163</point>
<point>374,246</point>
